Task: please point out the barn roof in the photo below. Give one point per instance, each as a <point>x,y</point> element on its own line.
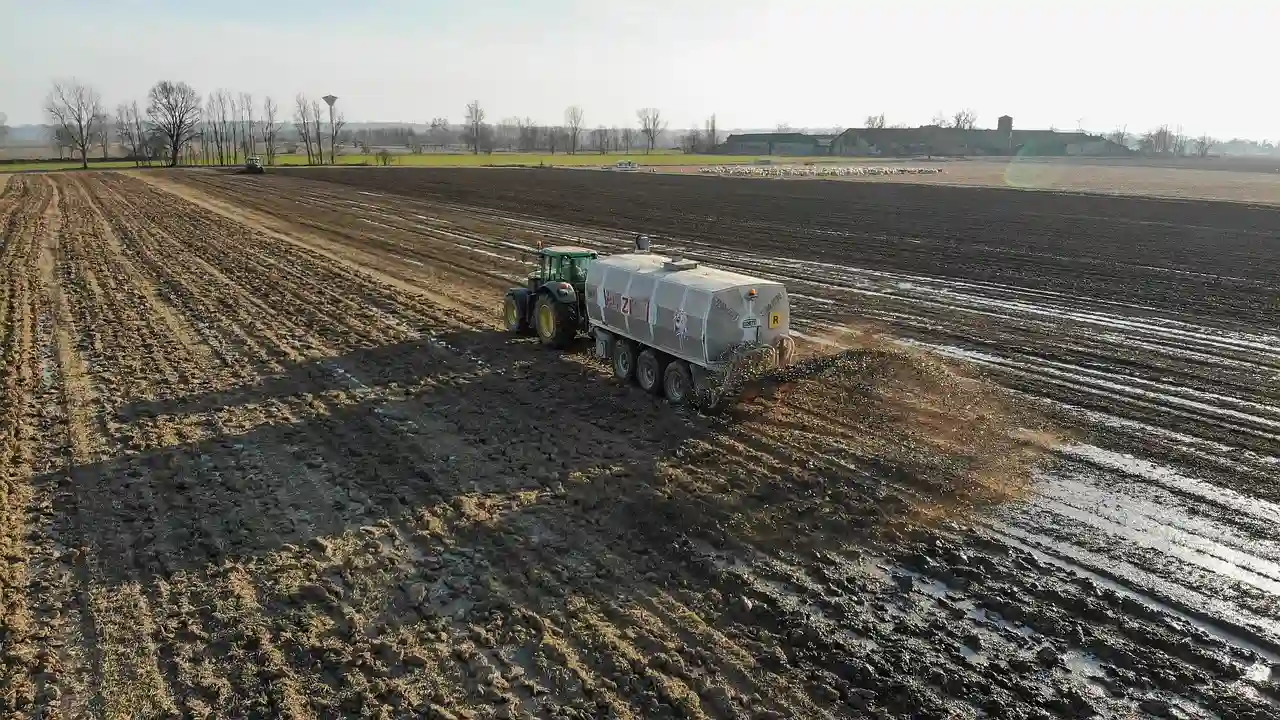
<point>788,137</point>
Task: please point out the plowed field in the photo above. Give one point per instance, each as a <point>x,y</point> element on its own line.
<point>264,453</point>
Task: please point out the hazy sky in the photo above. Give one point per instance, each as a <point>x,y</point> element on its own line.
<point>810,63</point>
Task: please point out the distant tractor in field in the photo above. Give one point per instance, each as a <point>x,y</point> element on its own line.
<point>676,328</point>
<point>253,165</point>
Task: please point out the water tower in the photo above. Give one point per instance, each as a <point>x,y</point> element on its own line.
<point>1004,126</point>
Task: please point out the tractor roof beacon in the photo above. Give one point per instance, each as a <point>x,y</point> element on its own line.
<point>679,329</point>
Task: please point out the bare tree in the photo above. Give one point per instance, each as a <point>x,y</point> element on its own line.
<point>475,125</point>
<point>783,128</point>
<point>302,123</point>
<point>875,122</point>
<point>939,119</point>
<point>964,120</point>
<point>125,135</point>
<point>1159,141</point>
<point>527,133</point>
<point>713,137</point>
<point>440,134</point>
<point>174,110</point>
<point>1204,144</point>
<point>336,123</point>
<point>102,129</point>
<point>76,108</point>
<point>573,124</point>
<point>212,131</point>
<point>140,133</point>
<point>1180,142</point>
<point>1120,136</point>
<point>237,128</point>
<point>628,138</point>
<point>651,126</point>
<point>250,129</point>
<point>316,123</point>
<point>691,140</point>
<point>270,128</point>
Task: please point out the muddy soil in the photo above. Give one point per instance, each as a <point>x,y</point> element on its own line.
<point>266,455</point>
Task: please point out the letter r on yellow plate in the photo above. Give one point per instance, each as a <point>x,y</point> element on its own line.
<point>775,319</point>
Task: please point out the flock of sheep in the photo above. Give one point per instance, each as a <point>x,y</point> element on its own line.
<point>814,170</point>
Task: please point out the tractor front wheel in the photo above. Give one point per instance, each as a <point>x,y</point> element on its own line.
<point>515,320</point>
<point>554,322</point>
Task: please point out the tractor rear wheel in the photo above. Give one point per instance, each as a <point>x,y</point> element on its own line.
<point>624,359</point>
<point>677,383</point>
<point>514,320</point>
<point>649,369</point>
<point>554,321</point>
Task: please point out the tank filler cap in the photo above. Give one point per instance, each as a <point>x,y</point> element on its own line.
<point>679,264</point>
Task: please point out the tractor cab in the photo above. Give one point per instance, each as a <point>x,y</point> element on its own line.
<point>562,264</point>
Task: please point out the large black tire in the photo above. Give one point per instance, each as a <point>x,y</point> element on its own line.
<point>677,383</point>
<point>515,321</point>
<point>624,359</point>
<point>649,367</point>
<point>554,322</point>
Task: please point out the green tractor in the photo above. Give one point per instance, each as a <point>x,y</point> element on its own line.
<point>553,302</point>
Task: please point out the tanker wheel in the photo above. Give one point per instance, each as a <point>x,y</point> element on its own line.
<point>624,359</point>
<point>554,322</point>
<point>515,320</point>
<point>649,369</point>
<point>677,383</point>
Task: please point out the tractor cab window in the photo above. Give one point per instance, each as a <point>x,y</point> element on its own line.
<point>551,267</point>
<point>578,269</point>
<point>565,269</point>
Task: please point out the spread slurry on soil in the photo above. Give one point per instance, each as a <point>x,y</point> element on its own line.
<point>267,454</point>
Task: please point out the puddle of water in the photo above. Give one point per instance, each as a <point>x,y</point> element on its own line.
<point>1217,617</point>
<point>810,298</point>
<point>973,656</point>
<point>1082,663</point>
<point>1259,672</point>
<point>1098,383</point>
<point>982,616</point>
<point>1160,475</point>
<point>1111,515</point>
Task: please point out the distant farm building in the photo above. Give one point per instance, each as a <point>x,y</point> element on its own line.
<point>784,143</point>
<point>925,140</point>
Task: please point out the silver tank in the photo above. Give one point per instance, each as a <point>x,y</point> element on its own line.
<point>688,310</point>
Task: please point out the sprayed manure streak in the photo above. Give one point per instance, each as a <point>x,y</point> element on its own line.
<point>1137,573</point>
